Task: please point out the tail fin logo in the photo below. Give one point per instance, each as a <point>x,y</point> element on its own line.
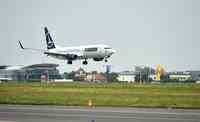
<point>49,40</point>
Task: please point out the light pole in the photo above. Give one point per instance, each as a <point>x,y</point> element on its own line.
<point>140,77</point>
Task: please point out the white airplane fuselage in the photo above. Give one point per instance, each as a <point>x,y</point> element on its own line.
<point>83,52</point>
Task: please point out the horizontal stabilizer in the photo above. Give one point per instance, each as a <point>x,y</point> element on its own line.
<point>21,45</point>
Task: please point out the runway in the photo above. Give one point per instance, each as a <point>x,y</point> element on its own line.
<point>21,113</point>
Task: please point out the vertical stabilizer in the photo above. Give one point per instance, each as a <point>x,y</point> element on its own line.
<point>49,40</point>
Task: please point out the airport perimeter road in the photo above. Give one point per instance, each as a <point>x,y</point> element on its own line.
<point>11,113</point>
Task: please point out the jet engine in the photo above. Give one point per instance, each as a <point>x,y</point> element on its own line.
<point>97,59</point>
<point>71,56</point>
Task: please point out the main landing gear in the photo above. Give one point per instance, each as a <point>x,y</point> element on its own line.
<point>85,62</point>
<point>69,62</point>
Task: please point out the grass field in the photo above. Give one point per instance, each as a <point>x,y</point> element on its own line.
<point>119,95</point>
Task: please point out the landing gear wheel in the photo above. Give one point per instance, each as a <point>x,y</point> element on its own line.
<point>106,60</point>
<point>69,62</point>
<point>85,62</point>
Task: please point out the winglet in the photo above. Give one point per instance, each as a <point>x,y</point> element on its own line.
<point>21,45</point>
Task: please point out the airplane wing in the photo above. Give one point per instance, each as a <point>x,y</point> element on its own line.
<point>33,49</point>
<point>68,55</point>
<point>65,55</point>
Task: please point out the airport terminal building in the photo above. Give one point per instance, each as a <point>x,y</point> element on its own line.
<point>36,72</point>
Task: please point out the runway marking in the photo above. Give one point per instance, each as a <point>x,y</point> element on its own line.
<point>96,116</point>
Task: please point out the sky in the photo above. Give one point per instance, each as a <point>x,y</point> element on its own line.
<point>144,32</point>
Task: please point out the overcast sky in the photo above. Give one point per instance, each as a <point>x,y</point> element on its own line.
<point>144,32</point>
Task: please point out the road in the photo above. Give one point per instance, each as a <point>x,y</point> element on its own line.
<point>21,113</point>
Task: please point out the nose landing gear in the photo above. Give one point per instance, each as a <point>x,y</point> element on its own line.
<point>106,60</point>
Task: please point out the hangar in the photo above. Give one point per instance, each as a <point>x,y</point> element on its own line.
<point>35,72</point>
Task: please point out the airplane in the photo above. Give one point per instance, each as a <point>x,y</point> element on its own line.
<point>96,52</point>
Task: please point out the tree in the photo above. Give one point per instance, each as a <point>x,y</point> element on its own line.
<point>69,75</point>
<point>113,77</point>
<point>160,73</point>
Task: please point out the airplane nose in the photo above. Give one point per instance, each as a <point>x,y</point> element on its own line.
<point>110,51</point>
<point>113,51</point>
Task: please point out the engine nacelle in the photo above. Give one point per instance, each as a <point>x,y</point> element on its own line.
<point>97,59</point>
<point>71,56</point>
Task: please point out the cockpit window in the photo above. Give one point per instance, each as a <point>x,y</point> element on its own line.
<point>90,49</point>
<point>107,48</point>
